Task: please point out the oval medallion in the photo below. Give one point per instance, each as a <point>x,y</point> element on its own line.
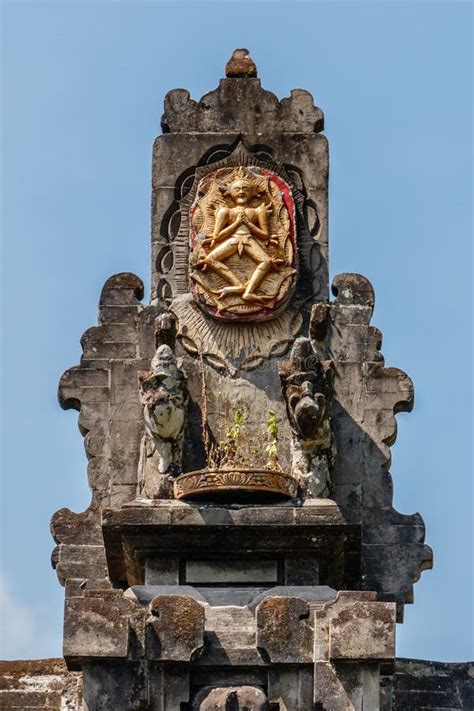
<point>243,257</point>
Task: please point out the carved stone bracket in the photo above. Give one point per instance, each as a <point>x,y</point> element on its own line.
<point>352,627</point>
<point>284,630</point>
<point>99,624</point>
<point>175,628</point>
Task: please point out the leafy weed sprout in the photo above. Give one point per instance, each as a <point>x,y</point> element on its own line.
<point>241,448</point>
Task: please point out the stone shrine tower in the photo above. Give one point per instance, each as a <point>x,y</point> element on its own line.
<point>240,550</point>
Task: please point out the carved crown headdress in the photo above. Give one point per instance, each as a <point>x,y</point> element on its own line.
<point>242,176</point>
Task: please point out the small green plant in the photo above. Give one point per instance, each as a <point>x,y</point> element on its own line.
<point>272,446</point>
<point>225,453</point>
<point>234,434</point>
<point>228,450</point>
<point>241,448</point>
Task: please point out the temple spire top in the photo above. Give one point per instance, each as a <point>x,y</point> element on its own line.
<point>240,65</point>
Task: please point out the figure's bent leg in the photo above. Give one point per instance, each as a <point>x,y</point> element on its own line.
<point>264,265</point>
<point>226,273</point>
<point>255,280</point>
<point>213,261</point>
<point>232,290</point>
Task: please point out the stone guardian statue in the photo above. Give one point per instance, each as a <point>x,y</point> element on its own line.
<point>164,398</point>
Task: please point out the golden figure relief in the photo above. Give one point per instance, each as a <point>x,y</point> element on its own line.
<point>243,254</point>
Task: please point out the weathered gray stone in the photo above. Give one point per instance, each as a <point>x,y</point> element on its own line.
<point>230,636</point>
<point>241,105</point>
<point>364,630</point>
<point>202,531</point>
<point>307,388</point>
<point>168,688</point>
<point>367,396</point>
<point>94,628</point>
<point>284,631</point>
<point>102,623</point>
<point>291,688</point>
<point>175,628</point>
<point>161,571</point>
<point>113,685</point>
<point>302,569</point>
<point>40,685</point>
<point>417,684</point>
<point>231,572</point>
<point>346,687</point>
<point>81,561</point>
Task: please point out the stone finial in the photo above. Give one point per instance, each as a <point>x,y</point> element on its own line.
<point>240,65</point>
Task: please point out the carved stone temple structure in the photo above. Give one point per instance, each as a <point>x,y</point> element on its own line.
<point>240,550</point>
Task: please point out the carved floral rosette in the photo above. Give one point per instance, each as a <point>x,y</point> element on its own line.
<point>243,271</point>
<point>235,480</point>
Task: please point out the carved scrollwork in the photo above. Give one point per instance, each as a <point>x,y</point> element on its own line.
<point>202,484</point>
<point>234,346</point>
<point>164,291</point>
<point>164,261</point>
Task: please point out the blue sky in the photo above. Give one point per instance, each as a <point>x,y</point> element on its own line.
<point>83,85</point>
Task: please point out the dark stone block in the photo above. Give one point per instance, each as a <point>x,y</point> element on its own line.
<point>283,630</point>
